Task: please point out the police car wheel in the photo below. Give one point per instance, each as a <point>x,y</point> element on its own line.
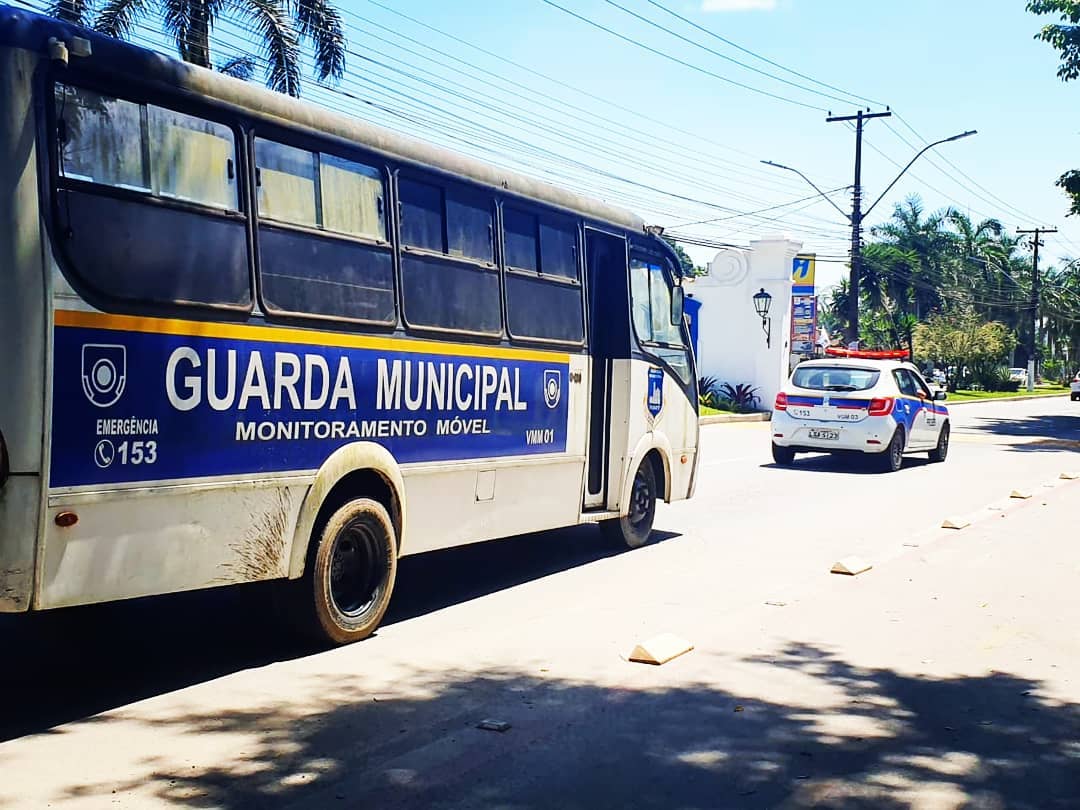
<point>634,528</point>
<point>782,455</point>
<point>893,457</point>
<point>939,453</point>
<point>350,576</point>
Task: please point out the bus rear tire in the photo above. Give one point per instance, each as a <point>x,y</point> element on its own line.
<point>350,576</point>
<point>633,529</point>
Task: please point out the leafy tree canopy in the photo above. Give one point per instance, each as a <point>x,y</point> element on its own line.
<point>688,267</point>
<point>1064,37</point>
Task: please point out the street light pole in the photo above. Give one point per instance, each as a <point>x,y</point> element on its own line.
<point>857,214</point>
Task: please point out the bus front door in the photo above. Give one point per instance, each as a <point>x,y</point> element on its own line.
<point>609,342</point>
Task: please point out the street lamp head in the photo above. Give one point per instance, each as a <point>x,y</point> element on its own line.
<point>961,135</point>
<point>762,302</point>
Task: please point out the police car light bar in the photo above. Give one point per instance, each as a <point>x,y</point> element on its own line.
<point>868,354</point>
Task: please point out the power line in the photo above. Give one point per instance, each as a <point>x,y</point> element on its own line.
<point>1003,203</point>
<point>756,55</point>
<point>565,85</point>
<point>589,115</point>
<point>725,57</point>
<point>675,59</point>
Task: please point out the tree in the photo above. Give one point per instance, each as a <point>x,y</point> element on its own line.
<point>687,264</point>
<point>961,342</point>
<point>930,245</point>
<point>1065,38</point>
<point>280,27</point>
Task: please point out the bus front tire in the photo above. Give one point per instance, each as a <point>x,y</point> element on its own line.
<point>634,528</point>
<point>350,578</point>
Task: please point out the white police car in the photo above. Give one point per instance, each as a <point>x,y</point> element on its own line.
<point>860,402</point>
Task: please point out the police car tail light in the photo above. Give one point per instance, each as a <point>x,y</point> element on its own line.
<point>781,402</point>
<point>882,406</point>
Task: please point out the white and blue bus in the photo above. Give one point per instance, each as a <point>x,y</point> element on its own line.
<point>245,338</point>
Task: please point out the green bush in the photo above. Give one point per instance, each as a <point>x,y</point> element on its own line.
<point>993,378</point>
<point>1054,371</point>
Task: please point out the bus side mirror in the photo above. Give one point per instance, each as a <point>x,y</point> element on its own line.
<point>676,305</point>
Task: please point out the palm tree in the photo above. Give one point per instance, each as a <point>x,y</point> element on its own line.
<point>279,26</point>
<point>974,239</point>
<point>930,243</point>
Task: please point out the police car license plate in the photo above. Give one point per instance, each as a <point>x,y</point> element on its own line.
<point>825,434</point>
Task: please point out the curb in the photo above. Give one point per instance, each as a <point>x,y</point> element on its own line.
<point>724,418</point>
<point>1003,399</point>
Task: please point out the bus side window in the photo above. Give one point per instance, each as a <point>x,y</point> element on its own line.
<point>448,278</point>
<point>421,215</point>
<point>543,289</point>
<point>100,139</point>
<point>191,159</point>
<point>187,246</point>
<point>322,236</point>
<point>286,183</point>
<point>650,291</point>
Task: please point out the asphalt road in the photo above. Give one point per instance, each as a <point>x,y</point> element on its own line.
<point>535,630</point>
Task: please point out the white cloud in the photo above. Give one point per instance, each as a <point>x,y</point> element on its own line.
<point>737,5</point>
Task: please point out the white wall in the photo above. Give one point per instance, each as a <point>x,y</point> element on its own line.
<point>731,343</point>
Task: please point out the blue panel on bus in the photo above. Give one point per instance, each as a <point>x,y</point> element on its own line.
<point>150,405</point>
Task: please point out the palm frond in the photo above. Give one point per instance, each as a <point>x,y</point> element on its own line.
<point>239,67</point>
<point>280,44</point>
<point>118,17</point>
<point>320,23</point>
<point>176,16</point>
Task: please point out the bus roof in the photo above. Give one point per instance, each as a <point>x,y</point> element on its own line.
<point>27,30</point>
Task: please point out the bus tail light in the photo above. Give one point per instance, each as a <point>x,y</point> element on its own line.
<point>882,406</point>
<point>781,402</point>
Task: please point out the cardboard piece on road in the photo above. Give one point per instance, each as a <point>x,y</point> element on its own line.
<point>955,523</point>
<point>850,566</point>
<point>660,649</point>
<point>1070,476</point>
<point>1022,494</point>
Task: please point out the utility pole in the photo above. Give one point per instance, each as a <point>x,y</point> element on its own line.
<point>1033,338</point>
<point>857,214</point>
<point>856,219</point>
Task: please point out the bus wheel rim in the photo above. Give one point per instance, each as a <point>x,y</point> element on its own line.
<point>356,575</point>
<point>639,499</point>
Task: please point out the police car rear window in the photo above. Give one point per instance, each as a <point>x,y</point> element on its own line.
<point>826,378</point>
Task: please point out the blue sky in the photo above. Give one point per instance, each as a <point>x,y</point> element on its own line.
<point>681,143</point>
<point>944,67</point>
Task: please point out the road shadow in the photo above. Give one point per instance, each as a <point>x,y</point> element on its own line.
<point>63,665</point>
<point>483,568</point>
<point>1050,432</point>
<point>871,738</point>
<point>843,463</point>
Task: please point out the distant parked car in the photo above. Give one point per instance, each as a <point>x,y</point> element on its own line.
<point>1018,375</point>
<point>1074,388</point>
